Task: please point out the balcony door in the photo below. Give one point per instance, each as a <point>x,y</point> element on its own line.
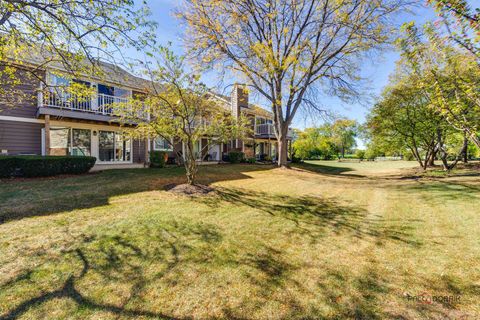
<point>114,147</point>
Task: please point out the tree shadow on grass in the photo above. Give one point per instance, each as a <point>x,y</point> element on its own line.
<point>174,256</point>
<point>40,197</point>
<point>438,190</point>
<point>327,170</point>
<point>317,217</point>
<point>118,259</point>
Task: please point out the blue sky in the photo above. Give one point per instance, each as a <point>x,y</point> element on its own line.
<point>376,72</point>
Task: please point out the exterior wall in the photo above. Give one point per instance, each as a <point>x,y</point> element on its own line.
<point>239,99</point>
<point>139,146</point>
<point>25,137</point>
<point>21,137</point>
<point>172,155</point>
<point>24,101</point>
<point>248,148</point>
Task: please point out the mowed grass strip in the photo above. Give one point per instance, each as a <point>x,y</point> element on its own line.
<point>325,240</point>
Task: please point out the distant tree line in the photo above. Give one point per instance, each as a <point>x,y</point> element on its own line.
<point>329,141</point>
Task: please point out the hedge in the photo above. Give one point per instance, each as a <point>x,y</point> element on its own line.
<point>158,159</point>
<point>235,156</point>
<point>40,166</point>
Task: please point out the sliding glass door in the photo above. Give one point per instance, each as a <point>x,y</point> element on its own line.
<point>106,146</point>
<point>81,142</point>
<point>114,147</point>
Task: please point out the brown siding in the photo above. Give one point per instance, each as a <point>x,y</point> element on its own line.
<point>21,101</point>
<point>21,137</point>
<point>139,151</point>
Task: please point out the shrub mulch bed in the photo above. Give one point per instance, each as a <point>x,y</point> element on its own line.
<point>189,190</point>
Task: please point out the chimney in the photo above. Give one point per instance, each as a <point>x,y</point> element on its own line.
<point>239,98</point>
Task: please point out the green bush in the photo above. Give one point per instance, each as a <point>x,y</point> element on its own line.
<point>40,166</point>
<point>409,156</point>
<point>7,166</point>
<point>296,159</point>
<point>158,159</point>
<point>360,154</point>
<point>251,160</point>
<point>235,156</point>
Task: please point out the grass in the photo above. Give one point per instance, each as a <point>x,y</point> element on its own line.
<point>325,240</point>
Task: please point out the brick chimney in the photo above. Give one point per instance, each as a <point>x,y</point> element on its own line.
<point>239,98</point>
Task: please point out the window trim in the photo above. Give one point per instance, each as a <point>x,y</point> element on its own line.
<point>114,148</point>
<point>70,139</point>
<point>162,149</point>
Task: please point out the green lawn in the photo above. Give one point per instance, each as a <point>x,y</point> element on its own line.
<point>325,240</point>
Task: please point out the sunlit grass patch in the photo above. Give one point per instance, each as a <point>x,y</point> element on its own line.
<point>313,242</point>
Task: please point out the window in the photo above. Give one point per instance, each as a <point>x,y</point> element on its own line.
<point>103,89</point>
<point>68,141</point>
<point>161,144</point>
<point>59,141</point>
<point>81,142</point>
<point>106,146</point>
<point>259,120</point>
<point>113,146</point>
<point>197,150</point>
<point>123,148</point>
<point>58,81</point>
<point>122,93</point>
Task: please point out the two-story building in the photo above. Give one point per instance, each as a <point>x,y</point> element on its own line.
<point>262,143</point>
<point>54,122</point>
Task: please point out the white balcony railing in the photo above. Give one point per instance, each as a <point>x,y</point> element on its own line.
<point>97,103</point>
<point>268,129</point>
<point>264,129</point>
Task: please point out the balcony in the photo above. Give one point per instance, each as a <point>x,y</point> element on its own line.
<point>96,104</point>
<point>97,107</point>
<point>267,130</point>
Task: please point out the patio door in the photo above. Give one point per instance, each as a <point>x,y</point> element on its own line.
<point>114,147</point>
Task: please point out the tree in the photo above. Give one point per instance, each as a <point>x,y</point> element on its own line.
<point>449,77</point>
<point>288,49</point>
<point>402,119</point>
<point>462,23</point>
<point>179,107</point>
<point>344,133</point>
<point>71,34</point>
<point>315,143</point>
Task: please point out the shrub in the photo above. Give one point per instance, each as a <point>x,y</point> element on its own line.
<point>40,166</point>
<point>251,160</point>
<point>296,159</point>
<point>235,156</point>
<point>409,156</point>
<point>360,154</point>
<point>158,159</point>
<point>7,166</point>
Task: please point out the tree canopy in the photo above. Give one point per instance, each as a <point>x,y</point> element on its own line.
<point>287,50</point>
<point>327,141</point>
<point>179,107</point>
<point>72,35</point>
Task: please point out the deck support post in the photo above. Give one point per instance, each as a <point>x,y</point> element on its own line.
<point>47,134</point>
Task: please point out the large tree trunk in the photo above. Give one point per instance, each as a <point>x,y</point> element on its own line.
<point>190,164</point>
<point>465,151</point>
<point>444,155</point>
<point>283,147</point>
<point>431,160</point>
